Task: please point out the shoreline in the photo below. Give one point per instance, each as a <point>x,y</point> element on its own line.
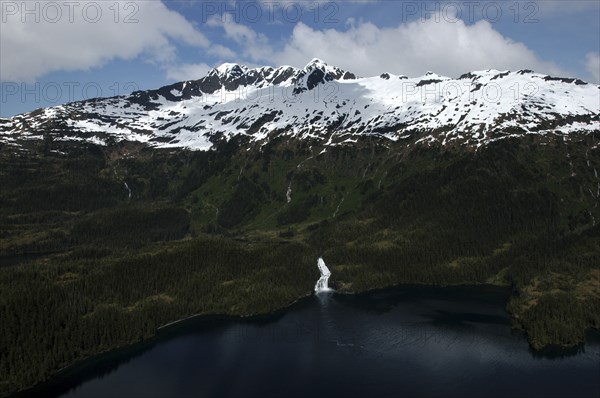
<point>170,328</point>
<point>228,316</point>
<point>161,331</point>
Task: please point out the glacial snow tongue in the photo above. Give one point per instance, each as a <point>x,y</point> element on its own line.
<point>322,284</point>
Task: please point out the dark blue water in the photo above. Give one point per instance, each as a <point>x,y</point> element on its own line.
<point>403,342</point>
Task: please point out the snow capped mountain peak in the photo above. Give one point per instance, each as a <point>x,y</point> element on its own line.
<point>324,103</point>
<point>315,63</point>
<point>229,69</point>
<point>318,72</point>
<point>430,76</point>
<point>318,64</point>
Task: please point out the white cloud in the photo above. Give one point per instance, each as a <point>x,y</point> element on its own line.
<point>187,71</point>
<point>592,65</point>
<point>87,35</point>
<point>221,52</point>
<point>449,48</point>
<point>253,45</point>
<point>445,47</point>
<point>31,49</point>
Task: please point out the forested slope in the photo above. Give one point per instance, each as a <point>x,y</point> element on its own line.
<point>113,242</point>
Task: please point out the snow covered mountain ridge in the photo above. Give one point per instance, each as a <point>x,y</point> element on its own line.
<point>325,103</point>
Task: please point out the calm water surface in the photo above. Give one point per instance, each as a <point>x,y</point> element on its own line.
<point>402,342</point>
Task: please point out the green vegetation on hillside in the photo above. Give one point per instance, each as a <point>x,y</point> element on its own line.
<point>237,231</point>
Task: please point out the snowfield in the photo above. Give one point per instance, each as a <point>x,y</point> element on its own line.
<point>325,103</point>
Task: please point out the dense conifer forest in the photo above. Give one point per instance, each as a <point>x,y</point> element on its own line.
<point>100,246</point>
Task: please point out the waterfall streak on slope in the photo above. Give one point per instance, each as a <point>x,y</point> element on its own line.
<point>322,283</point>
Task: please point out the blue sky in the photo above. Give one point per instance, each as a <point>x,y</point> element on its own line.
<point>52,52</point>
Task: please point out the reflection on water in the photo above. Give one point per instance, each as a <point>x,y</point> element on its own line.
<point>398,342</point>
